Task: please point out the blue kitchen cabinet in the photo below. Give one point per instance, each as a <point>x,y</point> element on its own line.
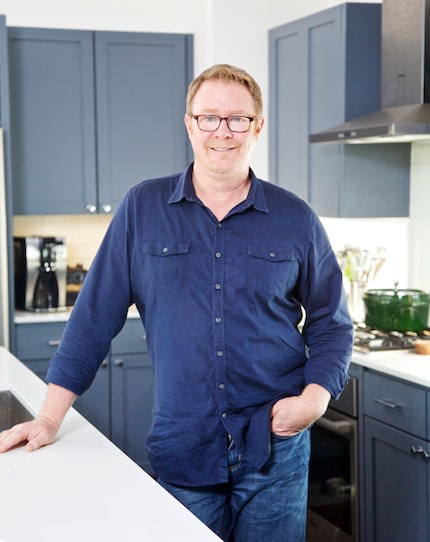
<point>324,69</point>
<point>36,343</point>
<point>89,111</point>
<point>132,405</point>
<point>119,402</point>
<point>131,392</point>
<point>396,462</point>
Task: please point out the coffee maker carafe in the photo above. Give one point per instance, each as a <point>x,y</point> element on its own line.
<point>40,273</point>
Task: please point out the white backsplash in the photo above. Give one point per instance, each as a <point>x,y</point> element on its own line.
<point>83,233</point>
<point>392,234</point>
<point>419,245</point>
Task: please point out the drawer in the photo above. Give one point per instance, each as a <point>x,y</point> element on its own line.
<point>396,403</point>
<point>131,339</point>
<point>38,340</point>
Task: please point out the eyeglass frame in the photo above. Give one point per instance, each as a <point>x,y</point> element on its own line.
<point>251,119</point>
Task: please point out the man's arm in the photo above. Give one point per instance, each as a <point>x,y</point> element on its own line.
<point>43,429</point>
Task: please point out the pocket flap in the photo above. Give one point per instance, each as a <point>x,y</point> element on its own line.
<point>271,253</point>
<point>166,248</point>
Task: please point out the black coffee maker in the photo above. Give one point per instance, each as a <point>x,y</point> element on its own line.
<point>40,265</point>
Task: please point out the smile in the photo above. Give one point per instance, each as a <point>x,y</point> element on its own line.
<point>222,149</point>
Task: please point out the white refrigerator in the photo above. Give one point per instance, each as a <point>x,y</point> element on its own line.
<point>4,291</point>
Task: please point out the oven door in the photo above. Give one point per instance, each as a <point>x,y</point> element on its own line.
<point>332,508</point>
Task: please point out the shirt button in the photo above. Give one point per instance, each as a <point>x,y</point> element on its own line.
<point>222,386</point>
<point>165,249</point>
<point>220,353</point>
<point>217,254</point>
<point>224,415</point>
<point>218,319</point>
<point>272,254</point>
<point>219,225</point>
<point>217,286</point>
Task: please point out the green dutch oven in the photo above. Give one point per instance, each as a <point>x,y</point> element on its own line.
<point>396,310</point>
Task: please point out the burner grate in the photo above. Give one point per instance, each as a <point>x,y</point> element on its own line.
<point>369,340</point>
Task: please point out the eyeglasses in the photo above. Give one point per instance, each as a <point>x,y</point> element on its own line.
<point>235,123</point>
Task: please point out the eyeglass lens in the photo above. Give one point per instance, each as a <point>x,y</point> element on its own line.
<point>210,123</point>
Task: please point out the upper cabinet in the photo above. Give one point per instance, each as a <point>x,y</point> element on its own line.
<point>325,70</point>
<point>94,113</point>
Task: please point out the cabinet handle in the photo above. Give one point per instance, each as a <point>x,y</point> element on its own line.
<point>342,427</point>
<point>104,365</point>
<point>119,363</point>
<point>106,208</point>
<point>54,342</point>
<point>90,208</point>
<point>386,403</point>
<point>419,450</point>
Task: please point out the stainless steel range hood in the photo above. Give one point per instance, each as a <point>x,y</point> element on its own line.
<point>405,81</point>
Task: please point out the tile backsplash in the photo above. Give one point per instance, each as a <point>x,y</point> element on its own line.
<point>83,233</point>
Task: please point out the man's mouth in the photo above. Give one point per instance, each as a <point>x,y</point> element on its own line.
<point>222,149</point>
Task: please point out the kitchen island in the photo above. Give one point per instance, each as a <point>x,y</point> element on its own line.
<point>82,488</point>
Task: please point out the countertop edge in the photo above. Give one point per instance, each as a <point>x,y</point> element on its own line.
<point>407,366</point>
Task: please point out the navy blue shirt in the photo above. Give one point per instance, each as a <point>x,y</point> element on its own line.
<point>221,302</point>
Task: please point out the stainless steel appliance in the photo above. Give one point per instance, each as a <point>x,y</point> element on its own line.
<point>40,266</point>
<point>367,340</point>
<point>405,81</point>
<point>333,472</point>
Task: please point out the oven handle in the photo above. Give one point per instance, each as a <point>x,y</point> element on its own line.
<point>342,427</point>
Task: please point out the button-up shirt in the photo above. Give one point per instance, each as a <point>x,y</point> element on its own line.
<point>221,302</point>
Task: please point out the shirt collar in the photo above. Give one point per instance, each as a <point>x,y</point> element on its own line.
<point>185,190</point>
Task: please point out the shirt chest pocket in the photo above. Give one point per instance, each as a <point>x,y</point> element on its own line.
<point>272,270</point>
<point>166,263</point>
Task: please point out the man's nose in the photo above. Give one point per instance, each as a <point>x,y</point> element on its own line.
<point>223,127</point>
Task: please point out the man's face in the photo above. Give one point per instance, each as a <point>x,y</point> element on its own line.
<point>223,152</point>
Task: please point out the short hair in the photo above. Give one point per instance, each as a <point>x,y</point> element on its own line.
<point>227,73</point>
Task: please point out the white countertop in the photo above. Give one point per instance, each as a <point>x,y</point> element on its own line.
<point>405,365</point>
<point>82,488</point>
<point>35,317</point>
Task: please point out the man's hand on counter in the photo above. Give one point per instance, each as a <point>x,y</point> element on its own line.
<point>43,429</point>
<point>39,432</point>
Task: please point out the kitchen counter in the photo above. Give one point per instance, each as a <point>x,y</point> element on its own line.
<point>406,365</point>
<point>82,488</point>
<point>33,317</point>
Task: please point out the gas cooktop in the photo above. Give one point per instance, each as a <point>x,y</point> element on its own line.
<point>368,340</point>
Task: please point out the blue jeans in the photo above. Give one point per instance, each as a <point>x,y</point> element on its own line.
<point>256,506</point>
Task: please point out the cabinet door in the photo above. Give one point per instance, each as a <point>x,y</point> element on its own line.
<point>324,70</point>
<point>397,485</point>
<point>288,108</point>
<point>132,405</point>
<point>53,123</point>
<point>141,87</point>
<point>94,403</point>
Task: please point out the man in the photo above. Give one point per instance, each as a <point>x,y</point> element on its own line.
<point>221,266</point>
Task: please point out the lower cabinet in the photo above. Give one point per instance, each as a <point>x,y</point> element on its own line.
<point>397,460</point>
<point>119,402</point>
<point>131,405</point>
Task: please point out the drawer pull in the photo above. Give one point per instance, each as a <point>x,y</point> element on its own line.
<point>419,450</point>
<point>54,342</point>
<point>119,363</point>
<point>386,403</point>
